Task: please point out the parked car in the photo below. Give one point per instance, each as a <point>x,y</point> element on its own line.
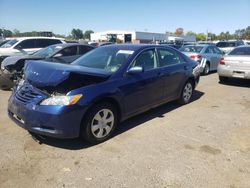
<point>207,55</point>
<point>3,42</point>
<point>98,44</point>
<point>171,45</point>
<point>246,42</point>
<point>236,64</point>
<point>227,46</point>
<point>26,45</point>
<point>100,89</point>
<point>12,67</point>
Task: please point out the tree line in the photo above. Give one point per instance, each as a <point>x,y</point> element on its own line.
<point>240,34</point>
<point>75,34</point>
<point>79,34</point>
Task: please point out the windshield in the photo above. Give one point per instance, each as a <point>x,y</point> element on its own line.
<point>240,51</point>
<point>106,58</point>
<point>46,52</point>
<point>9,43</point>
<point>196,49</point>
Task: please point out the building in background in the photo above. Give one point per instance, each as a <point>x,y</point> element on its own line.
<point>127,36</point>
<point>137,37</point>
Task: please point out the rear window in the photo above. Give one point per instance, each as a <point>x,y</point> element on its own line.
<point>196,49</point>
<point>226,44</point>
<point>240,51</point>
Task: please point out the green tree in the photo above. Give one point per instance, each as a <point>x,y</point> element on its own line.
<point>200,37</point>
<point>77,33</point>
<point>87,33</point>
<point>16,33</point>
<point>191,33</point>
<point>6,33</point>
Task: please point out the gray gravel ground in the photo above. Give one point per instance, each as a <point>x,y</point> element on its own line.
<point>203,144</point>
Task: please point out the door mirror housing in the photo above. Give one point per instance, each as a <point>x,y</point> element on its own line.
<point>135,70</point>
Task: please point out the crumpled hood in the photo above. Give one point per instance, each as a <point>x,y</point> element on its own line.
<point>10,51</point>
<point>61,78</point>
<point>13,59</point>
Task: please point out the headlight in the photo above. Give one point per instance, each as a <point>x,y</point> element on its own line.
<point>2,66</point>
<point>20,84</point>
<point>61,100</point>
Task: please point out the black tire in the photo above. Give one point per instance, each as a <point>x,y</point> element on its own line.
<point>86,126</point>
<point>223,79</point>
<point>206,69</point>
<point>183,98</point>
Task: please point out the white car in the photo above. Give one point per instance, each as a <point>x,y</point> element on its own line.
<point>227,46</point>
<point>26,45</point>
<point>236,64</point>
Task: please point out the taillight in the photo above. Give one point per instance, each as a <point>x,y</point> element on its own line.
<point>196,56</point>
<point>222,61</point>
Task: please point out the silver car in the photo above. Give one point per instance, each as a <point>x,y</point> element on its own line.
<point>236,64</point>
<point>207,55</point>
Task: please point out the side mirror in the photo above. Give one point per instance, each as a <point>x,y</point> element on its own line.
<point>135,70</point>
<point>58,55</point>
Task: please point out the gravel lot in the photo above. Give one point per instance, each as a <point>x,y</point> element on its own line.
<point>203,144</point>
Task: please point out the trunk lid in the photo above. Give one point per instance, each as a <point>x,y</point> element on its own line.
<point>242,62</point>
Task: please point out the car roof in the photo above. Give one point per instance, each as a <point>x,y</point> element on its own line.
<point>243,46</point>
<point>199,45</point>
<point>64,45</point>
<point>134,47</point>
<point>24,38</point>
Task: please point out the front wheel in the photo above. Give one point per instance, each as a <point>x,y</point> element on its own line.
<point>187,93</point>
<point>99,123</point>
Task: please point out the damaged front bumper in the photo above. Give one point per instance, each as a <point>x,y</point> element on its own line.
<point>54,121</point>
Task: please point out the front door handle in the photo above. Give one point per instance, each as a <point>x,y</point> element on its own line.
<point>160,74</point>
<point>185,67</point>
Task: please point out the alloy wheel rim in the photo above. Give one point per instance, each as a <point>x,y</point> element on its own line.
<point>102,123</point>
<point>187,92</point>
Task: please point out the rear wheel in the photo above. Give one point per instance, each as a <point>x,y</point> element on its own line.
<point>99,123</point>
<point>206,69</point>
<point>223,79</point>
<point>187,92</point>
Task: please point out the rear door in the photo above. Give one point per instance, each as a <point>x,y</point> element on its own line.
<point>173,72</point>
<point>217,56</point>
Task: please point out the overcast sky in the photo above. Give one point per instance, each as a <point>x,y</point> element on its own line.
<point>60,16</point>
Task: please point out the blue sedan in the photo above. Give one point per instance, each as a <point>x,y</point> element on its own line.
<point>102,88</point>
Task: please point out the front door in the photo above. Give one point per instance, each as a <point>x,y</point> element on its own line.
<point>145,89</point>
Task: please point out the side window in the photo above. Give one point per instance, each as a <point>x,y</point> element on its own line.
<point>25,44</point>
<point>69,51</point>
<point>84,49</point>
<point>147,60</point>
<point>168,57</point>
<point>41,43</point>
<point>209,50</point>
<point>216,50</point>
